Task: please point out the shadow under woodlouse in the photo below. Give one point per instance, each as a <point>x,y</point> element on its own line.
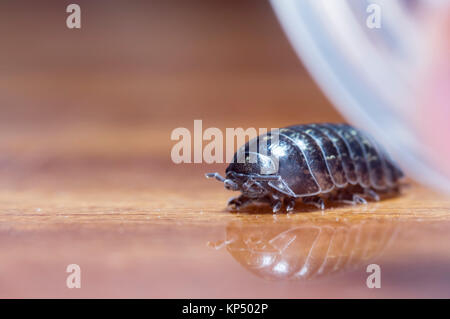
<point>301,207</point>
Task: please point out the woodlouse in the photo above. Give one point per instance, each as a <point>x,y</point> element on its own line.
<point>313,162</point>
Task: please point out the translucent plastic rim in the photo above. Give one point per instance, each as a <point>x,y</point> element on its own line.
<point>368,84</point>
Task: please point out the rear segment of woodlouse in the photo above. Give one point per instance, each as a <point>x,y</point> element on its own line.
<point>313,162</point>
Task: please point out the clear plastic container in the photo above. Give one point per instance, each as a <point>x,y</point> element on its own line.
<point>371,74</point>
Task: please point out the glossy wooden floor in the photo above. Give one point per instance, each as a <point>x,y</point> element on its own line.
<point>86,175</point>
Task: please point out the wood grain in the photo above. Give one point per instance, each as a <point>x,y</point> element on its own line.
<point>86,175</point>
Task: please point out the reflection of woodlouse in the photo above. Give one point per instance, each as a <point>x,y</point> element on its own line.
<point>313,162</point>
<point>311,249</point>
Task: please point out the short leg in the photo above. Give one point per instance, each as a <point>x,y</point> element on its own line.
<point>355,198</point>
<point>371,194</point>
<point>276,206</point>
<point>289,203</point>
<point>359,199</point>
<point>316,201</point>
<point>239,202</point>
<point>276,203</point>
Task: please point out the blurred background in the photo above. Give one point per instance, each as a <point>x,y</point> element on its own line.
<point>85,169</point>
<point>112,92</point>
<point>382,64</point>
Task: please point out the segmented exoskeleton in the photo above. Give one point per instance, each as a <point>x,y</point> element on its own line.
<point>313,162</point>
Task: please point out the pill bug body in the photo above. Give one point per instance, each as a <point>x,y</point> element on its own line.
<point>314,162</point>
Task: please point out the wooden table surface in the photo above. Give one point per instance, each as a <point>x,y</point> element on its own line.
<point>87,179</point>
